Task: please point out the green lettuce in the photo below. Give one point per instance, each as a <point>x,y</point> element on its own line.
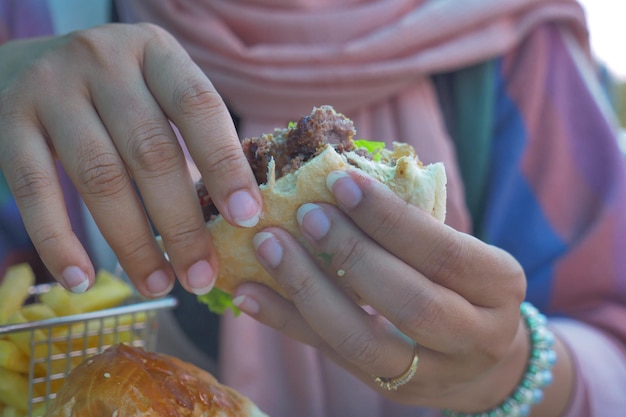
<point>372,147</point>
<point>219,302</point>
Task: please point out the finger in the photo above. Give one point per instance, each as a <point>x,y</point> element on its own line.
<point>150,150</point>
<point>99,174</point>
<point>31,174</point>
<point>431,314</point>
<point>455,260</point>
<point>368,342</point>
<point>436,371</point>
<point>273,310</point>
<point>191,102</point>
<point>327,316</point>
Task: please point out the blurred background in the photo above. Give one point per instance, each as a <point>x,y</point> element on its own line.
<point>607,21</point>
<point>607,25</point>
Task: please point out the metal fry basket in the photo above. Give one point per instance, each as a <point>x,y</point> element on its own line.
<point>59,344</point>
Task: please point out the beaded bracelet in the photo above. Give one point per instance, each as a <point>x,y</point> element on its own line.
<point>538,373</point>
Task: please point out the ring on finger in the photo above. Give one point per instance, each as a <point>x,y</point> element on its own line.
<point>392,384</point>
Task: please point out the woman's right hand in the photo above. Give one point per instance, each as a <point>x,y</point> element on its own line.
<point>99,101</point>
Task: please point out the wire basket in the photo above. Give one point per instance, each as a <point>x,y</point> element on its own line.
<point>59,344</point>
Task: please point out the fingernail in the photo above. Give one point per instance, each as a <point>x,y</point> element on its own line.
<point>75,279</point>
<point>158,283</point>
<point>247,304</point>
<point>200,278</point>
<point>268,248</point>
<point>313,220</point>
<point>244,209</point>
<point>345,190</point>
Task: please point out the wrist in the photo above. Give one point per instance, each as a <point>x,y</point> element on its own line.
<point>537,375</point>
<point>501,380</point>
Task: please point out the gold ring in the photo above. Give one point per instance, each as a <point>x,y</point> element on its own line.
<point>392,384</point>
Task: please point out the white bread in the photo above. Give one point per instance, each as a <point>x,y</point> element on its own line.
<point>126,381</point>
<point>399,168</point>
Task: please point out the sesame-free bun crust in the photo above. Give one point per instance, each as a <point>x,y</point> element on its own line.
<point>125,381</point>
<point>423,186</point>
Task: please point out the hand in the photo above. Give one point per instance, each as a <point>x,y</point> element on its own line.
<point>455,296</point>
<point>100,102</point>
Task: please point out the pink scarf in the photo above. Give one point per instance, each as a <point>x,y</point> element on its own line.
<point>273,60</point>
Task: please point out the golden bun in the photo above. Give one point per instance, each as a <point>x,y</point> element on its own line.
<point>125,381</point>
<point>423,186</point>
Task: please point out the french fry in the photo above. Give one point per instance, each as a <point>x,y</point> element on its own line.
<point>39,410</point>
<point>105,277</point>
<point>12,358</point>
<point>83,336</point>
<point>13,389</point>
<point>37,311</point>
<point>13,412</point>
<point>59,300</point>
<point>96,334</point>
<point>47,354</point>
<point>14,289</point>
<point>43,350</point>
<point>107,292</point>
<point>124,325</point>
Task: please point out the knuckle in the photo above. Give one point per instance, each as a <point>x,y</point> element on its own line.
<point>47,237</point>
<point>486,353</point>
<point>493,351</point>
<point>101,45</point>
<point>100,174</point>
<point>11,113</point>
<point>93,43</point>
<point>351,253</point>
<point>11,104</point>
<point>155,33</point>
<point>388,223</point>
<point>31,183</point>
<point>302,290</point>
<point>186,232</point>
<point>18,100</point>
<point>197,100</point>
<point>419,312</point>
<point>135,250</point>
<point>448,258</point>
<point>152,29</point>
<point>153,149</point>
<point>225,160</point>
<point>360,347</point>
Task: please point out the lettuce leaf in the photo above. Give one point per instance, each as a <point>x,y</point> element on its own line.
<point>371,146</point>
<point>219,302</point>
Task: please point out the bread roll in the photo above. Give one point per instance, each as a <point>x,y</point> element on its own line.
<point>126,381</point>
<point>399,168</point>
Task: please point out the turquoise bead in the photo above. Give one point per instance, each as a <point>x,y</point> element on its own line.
<point>538,373</point>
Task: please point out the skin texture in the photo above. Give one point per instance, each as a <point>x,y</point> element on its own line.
<point>457,297</point>
<point>106,121</point>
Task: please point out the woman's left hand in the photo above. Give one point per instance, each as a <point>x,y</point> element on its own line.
<point>424,282</point>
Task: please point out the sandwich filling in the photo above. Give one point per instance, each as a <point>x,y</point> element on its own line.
<point>291,166</point>
<point>291,147</point>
